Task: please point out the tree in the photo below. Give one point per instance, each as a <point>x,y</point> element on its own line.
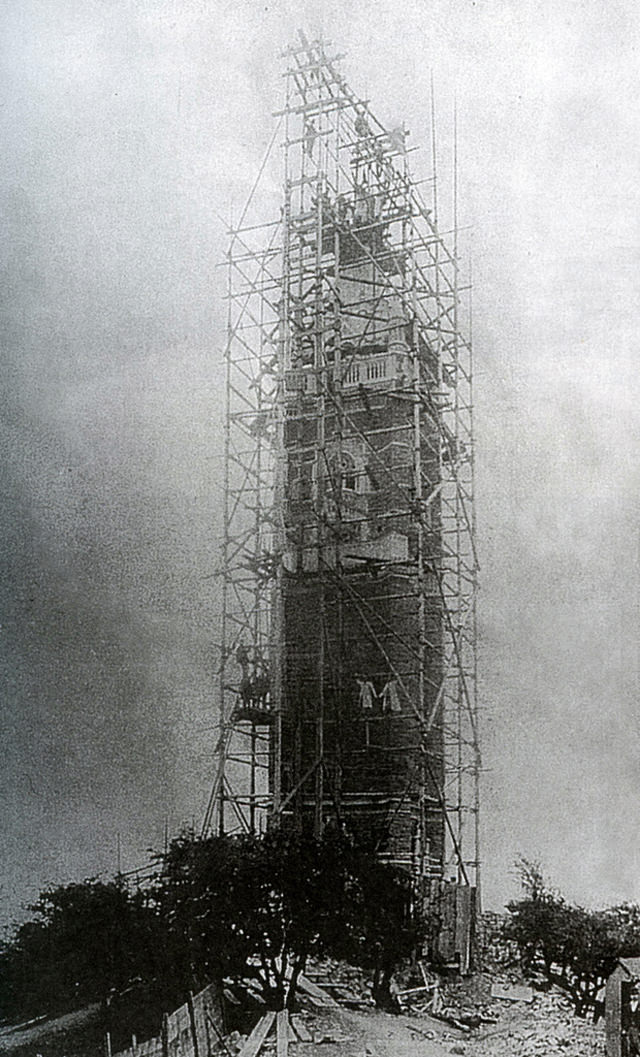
<point>84,939</point>
<point>219,907</point>
<point>259,907</point>
<point>574,948</point>
<point>245,906</point>
<point>384,924</point>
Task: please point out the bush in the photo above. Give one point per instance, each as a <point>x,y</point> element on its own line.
<point>249,906</point>
<point>573,947</point>
<point>85,939</point>
<point>218,907</point>
<point>383,923</point>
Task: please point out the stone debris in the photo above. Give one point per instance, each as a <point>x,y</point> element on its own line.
<point>350,986</point>
<point>547,1027</point>
<point>331,1036</point>
<point>512,992</point>
<point>480,1016</point>
<point>234,1042</point>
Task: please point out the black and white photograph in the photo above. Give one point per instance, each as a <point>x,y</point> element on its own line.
<point>320,522</point>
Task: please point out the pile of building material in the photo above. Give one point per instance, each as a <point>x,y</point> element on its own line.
<point>540,1027</point>
<point>465,1005</point>
<point>350,986</point>
<point>480,1016</point>
<point>274,1032</point>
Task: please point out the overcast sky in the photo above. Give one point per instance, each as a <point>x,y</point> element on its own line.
<point>129,127</point>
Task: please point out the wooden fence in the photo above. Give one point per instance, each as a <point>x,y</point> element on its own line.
<point>193,1030</point>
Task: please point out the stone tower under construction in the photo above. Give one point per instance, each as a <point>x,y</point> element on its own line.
<point>347,676</point>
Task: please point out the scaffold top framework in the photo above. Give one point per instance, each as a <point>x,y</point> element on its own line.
<point>347,678</point>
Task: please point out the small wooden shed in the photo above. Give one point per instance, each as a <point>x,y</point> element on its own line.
<point>622,1009</point>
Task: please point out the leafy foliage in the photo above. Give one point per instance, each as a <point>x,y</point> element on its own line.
<point>239,906</point>
<point>220,907</point>
<point>383,924</point>
<point>244,906</point>
<point>83,940</point>
<point>573,947</point>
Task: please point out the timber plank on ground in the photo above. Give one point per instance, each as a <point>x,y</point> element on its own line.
<point>253,1045</point>
<point>301,1029</point>
<point>317,994</point>
<point>283,1033</point>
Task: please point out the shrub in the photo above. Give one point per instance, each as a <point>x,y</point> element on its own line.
<point>573,947</point>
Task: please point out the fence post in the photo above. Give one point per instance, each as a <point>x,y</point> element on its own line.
<point>194,1028</point>
<point>165,1035</point>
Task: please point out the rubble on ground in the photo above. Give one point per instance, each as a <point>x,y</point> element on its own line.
<point>505,1018</point>
<point>484,1015</point>
<point>547,1027</point>
<point>350,986</point>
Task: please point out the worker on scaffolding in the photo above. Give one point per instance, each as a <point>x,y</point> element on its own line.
<point>255,684</point>
<point>310,136</point>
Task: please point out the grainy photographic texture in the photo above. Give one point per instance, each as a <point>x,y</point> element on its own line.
<point>132,135</point>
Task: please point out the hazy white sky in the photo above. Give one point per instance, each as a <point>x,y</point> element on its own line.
<point>129,127</point>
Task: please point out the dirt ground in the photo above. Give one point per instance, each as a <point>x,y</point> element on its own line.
<point>543,1027</point>
<point>76,1034</point>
